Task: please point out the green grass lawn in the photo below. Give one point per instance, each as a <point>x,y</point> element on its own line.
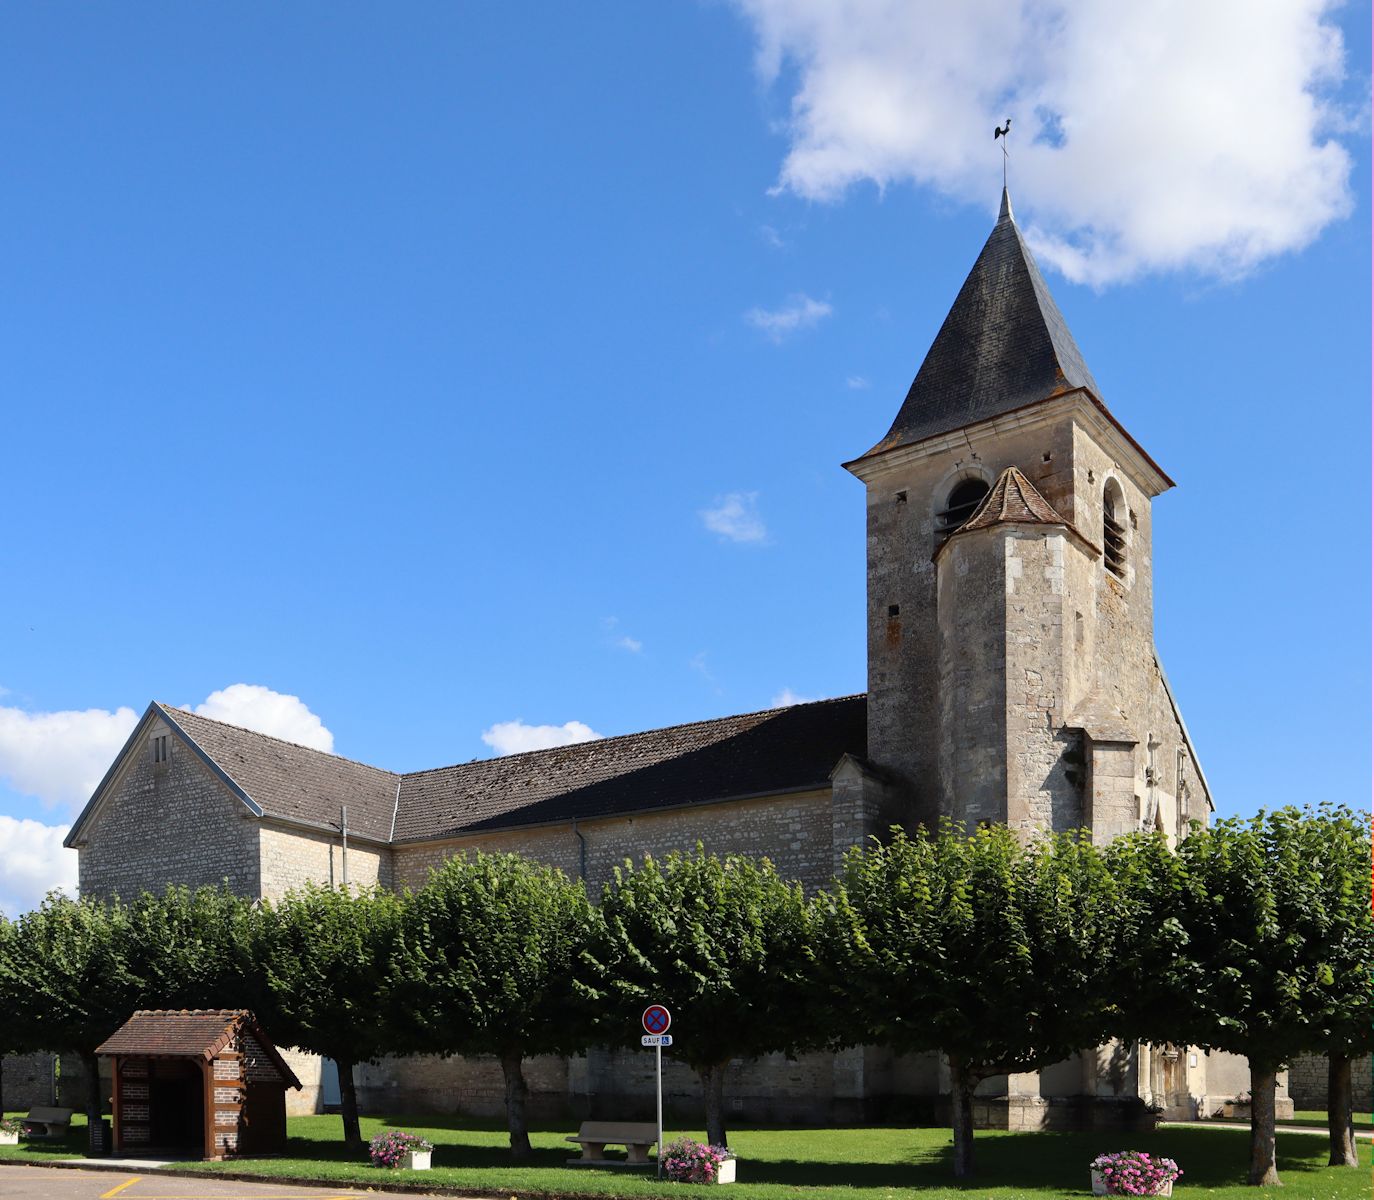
<point>1317,1118</point>
<point>827,1164</point>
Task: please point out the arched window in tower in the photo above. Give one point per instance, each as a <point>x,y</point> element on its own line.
<point>1114,529</point>
<point>965,496</point>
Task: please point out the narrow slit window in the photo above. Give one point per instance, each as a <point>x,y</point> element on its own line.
<point>160,748</point>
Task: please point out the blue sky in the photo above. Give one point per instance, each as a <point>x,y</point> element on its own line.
<point>395,358</point>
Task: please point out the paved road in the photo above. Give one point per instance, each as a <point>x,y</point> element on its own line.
<point>53,1183</point>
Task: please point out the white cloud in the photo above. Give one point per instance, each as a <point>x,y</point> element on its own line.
<point>1156,136</point>
<point>260,708</point>
<point>59,757</point>
<point>736,517</point>
<point>633,645</point>
<point>800,312</point>
<point>787,697</point>
<point>515,737</point>
<point>856,383</point>
<point>34,863</point>
<point>771,237</point>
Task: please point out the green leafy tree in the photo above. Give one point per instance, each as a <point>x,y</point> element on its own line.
<point>1244,945</point>
<point>496,963</point>
<point>192,948</point>
<point>66,979</point>
<point>326,957</point>
<point>1345,867</point>
<point>724,943</point>
<point>982,947</point>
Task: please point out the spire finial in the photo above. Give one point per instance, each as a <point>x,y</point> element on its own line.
<point>1005,214</point>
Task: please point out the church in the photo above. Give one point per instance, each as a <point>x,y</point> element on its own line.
<point>1012,678</point>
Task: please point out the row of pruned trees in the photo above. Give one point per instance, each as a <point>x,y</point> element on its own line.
<point>1005,956</point>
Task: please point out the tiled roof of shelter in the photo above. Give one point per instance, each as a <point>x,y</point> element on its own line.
<point>295,782</point>
<point>1013,498</point>
<point>1003,345</point>
<point>780,750</point>
<point>775,751</point>
<point>202,1032</point>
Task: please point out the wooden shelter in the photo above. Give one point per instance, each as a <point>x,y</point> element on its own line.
<point>201,1080</point>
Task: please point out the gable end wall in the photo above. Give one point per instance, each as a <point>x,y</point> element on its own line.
<point>168,824</point>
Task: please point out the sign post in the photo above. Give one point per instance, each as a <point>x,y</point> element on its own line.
<point>656,1020</point>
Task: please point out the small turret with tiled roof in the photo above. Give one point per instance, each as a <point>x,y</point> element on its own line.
<point>1012,500</point>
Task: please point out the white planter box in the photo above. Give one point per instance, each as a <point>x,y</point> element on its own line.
<point>726,1172</point>
<point>1100,1186</point>
<point>9,1139</point>
<point>416,1160</point>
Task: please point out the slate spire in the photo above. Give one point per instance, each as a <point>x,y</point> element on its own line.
<point>1004,345</point>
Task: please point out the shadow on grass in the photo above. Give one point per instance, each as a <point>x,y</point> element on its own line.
<point>1056,1162</point>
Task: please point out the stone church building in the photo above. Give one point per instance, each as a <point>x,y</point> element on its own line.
<point>1012,677</point>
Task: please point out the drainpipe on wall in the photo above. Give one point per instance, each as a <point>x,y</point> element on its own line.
<point>581,851</point>
<point>343,828</point>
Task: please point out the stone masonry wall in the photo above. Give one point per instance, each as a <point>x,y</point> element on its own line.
<point>291,858</point>
<point>971,668</point>
<point>40,1079</point>
<point>173,822</point>
<point>905,495</point>
<point>1307,1082</point>
<point>794,831</point>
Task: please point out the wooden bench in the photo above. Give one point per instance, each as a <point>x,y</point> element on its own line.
<point>51,1123</point>
<point>595,1136</point>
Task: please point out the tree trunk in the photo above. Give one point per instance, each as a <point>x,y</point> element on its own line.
<point>1264,1170</point>
<point>516,1091</point>
<point>713,1092</point>
<point>348,1103</point>
<point>961,1085</point>
<point>1340,1119</point>
<point>94,1106</point>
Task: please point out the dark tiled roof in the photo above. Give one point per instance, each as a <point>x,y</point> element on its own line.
<point>1003,345</point>
<point>1012,498</point>
<point>190,1032</point>
<point>782,749</point>
<point>203,1032</point>
<point>777,750</point>
<point>295,782</point>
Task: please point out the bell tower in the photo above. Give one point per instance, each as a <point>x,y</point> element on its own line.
<point>1011,667</point>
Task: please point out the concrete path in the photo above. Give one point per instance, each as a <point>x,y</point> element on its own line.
<point>61,1181</point>
<point>1363,1135</point>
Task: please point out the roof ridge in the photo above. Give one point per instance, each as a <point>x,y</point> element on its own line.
<point>620,737</point>
<point>173,711</point>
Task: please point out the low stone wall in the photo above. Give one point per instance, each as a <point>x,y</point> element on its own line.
<point>1307,1082</point>
<point>42,1079</point>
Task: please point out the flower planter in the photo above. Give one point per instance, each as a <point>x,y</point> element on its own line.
<point>725,1173</point>
<point>9,1139</point>
<point>416,1160</point>
<point>1100,1186</point>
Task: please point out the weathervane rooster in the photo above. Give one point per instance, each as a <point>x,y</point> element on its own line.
<point>1003,132</point>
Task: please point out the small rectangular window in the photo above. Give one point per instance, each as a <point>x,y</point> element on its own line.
<point>160,748</point>
<point>893,611</point>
